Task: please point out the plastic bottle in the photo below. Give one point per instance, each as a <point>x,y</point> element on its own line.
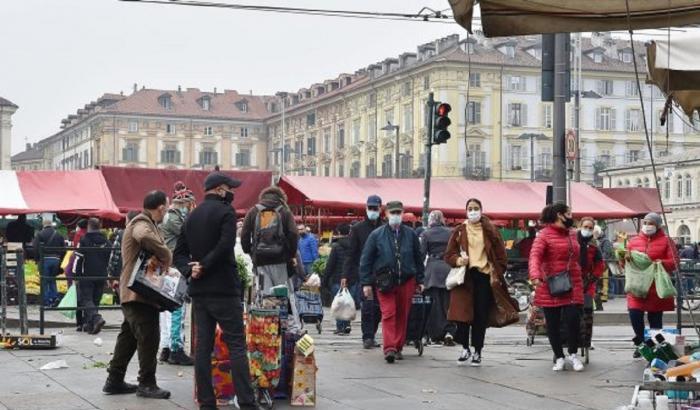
<point>658,365</point>
<point>664,350</point>
<point>677,394</point>
<point>646,349</point>
<point>662,402</point>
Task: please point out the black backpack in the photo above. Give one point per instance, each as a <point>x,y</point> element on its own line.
<point>269,240</point>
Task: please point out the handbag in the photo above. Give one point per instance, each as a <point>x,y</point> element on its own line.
<point>457,276</point>
<point>559,284</point>
<point>384,279</point>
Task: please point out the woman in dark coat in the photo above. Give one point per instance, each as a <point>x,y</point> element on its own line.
<point>483,299</point>
<point>433,243</point>
<point>334,272</point>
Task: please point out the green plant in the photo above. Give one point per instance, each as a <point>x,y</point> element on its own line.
<point>243,272</point>
<point>319,267</point>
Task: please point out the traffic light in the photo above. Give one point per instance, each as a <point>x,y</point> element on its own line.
<point>442,121</point>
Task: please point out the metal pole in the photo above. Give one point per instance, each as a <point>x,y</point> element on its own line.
<point>561,59</point>
<point>428,157</point>
<point>284,137</point>
<point>577,168</point>
<point>396,160</point>
<point>21,293</point>
<point>3,292</point>
<point>532,158</point>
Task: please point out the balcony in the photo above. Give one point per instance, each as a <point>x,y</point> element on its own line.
<point>476,172</point>
<point>543,175</point>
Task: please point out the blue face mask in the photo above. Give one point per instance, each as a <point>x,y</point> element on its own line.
<point>394,220</point>
<point>373,215</point>
<point>184,210</point>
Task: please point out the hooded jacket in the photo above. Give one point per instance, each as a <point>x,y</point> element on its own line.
<point>271,197</point>
<point>171,227</point>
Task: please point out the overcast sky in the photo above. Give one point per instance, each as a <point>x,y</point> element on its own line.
<point>57,56</point>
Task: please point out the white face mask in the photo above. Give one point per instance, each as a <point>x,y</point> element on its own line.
<point>649,230</point>
<point>372,215</point>
<point>394,220</point>
<point>586,233</point>
<point>474,216</point>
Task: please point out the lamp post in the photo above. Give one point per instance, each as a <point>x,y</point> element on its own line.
<point>532,137</point>
<point>390,127</point>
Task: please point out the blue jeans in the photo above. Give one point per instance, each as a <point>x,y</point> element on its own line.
<point>355,293</point>
<point>307,268</point>
<point>50,268</point>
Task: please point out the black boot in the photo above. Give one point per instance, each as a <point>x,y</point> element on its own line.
<point>117,385</point>
<point>178,357</point>
<point>152,392</point>
<point>164,355</point>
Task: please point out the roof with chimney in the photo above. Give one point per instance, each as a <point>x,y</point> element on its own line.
<point>4,102</point>
<point>32,153</point>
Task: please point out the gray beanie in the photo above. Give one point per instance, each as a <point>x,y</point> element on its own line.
<point>654,217</point>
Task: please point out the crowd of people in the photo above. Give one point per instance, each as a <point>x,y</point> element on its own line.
<point>380,260</point>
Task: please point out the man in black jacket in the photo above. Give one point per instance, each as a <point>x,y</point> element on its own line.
<point>205,253</point>
<point>334,273</point>
<point>93,258</point>
<point>50,259</point>
<point>371,315</point>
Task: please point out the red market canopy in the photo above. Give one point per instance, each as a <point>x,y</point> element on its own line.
<point>640,200</point>
<point>82,193</point>
<point>129,185</point>
<point>501,200</point>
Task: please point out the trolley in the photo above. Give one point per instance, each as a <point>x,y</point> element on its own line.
<point>309,306</point>
<point>417,319</point>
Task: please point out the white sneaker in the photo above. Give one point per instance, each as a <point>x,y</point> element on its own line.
<point>466,354</point>
<point>575,362</point>
<point>559,365</point>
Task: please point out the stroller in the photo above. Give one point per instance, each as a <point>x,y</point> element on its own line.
<point>417,319</point>
<point>308,301</point>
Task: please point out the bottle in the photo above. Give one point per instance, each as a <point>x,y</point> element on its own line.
<point>646,349</point>
<point>662,402</point>
<point>677,394</point>
<point>658,365</point>
<point>664,350</point>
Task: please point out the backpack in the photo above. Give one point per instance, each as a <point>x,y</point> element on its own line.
<point>269,240</point>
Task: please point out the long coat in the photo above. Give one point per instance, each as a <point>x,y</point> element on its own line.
<point>504,311</point>
<point>433,243</point>
<point>658,247</point>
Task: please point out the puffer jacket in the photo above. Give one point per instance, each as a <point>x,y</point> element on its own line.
<point>659,248</point>
<point>595,266</point>
<point>553,251</point>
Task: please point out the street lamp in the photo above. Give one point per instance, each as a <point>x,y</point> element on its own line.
<point>532,137</point>
<point>390,127</point>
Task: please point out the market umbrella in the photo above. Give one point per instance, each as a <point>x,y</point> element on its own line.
<point>673,66</point>
<point>520,17</point>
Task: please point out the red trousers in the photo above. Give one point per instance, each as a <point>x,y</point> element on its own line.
<point>395,306</point>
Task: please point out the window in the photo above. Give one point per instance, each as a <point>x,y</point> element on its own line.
<point>546,158</point>
<point>244,132</point>
<point>208,156</point>
<point>633,155</point>
<point>243,158</point>
<point>287,153</point>
<point>206,103</point>
<point>372,128</point>
<point>243,106</point>
<point>475,80</point>
<point>426,82</point>
<point>474,112</point>
<point>625,56</point>
<point>516,157</point>
<point>341,136</point>
<point>688,186</point>
<point>631,89</point>
<point>170,128</point>
<point>477,157</point>
<point>692,125</point>
<point>679,186</point>
<point>326,171</point>
<point>547,115</point>
<point>605,119</point>
<point>389,117</point>
<point>667,188</point>
<point>408,118</point>
<point>356,124</point>
<point>508,50</point>
<point>371,169</point>
<point>604,87</point>
<point>405,91</point>
<point>372,100</point>
<point>516,83</point>
<point>298,149</point>
<point>341,170</point>
<point>387,166</point>
<point>166,102</point>
<point>598,57</point>
<point>606,158</point>
<point>647,183</point>
<point>130,153</point>
<point>355,169</point>
<point>327,140</point>
<point>406,166</point>
<point>311,120</point>
<point>633,120</point>
<point>133,126</point>
<point>86,159</point>
<point>170,155</point>
<point>311,145</point>
<point>517,115</point>
<point>209,131</point>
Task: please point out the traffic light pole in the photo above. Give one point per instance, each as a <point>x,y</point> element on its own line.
<point>428,157</point>
<point>561,58</point>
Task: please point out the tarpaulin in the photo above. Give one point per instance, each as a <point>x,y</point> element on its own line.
<point>673,66</point>
<point>130,185</point>
<point>640,200</point>
<point>501,200</point>
<point>519,17</point>
<point>68,192</point>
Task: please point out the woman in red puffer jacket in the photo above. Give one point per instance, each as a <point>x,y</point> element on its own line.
<point>652,241</point>
<point>555,250</point>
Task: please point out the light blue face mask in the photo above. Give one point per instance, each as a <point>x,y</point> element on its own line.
<point>184,210</point>
<point>373,215</point>
<point>394,220</point>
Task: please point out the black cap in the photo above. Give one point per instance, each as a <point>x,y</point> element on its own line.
<point>215,179</point>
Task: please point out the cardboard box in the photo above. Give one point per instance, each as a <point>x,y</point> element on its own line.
<point>304,380</point>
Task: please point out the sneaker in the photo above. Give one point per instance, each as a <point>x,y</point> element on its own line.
<point>338,332</point>
<point>466,354</point>
<point>636,354</point>
<point>164,355</point>
<point>347,330</point>
<point>375,344</point>
<point>449,340</point>
<point>113,387</point>
<point>559,365</point>
<point>390,357</point>
<point>97,328</point>
<point>79,328</point>
<point>476,360</point>
<point>399,356</point>
<point>178,357</point>
<point>152,392</point>
<point>575,362</point>
<point>368,343</point>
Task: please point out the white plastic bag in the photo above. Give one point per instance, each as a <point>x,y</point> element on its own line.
<point>313,281</point>
<point>343,306</point>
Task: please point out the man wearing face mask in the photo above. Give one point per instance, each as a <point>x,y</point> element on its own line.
<point>172,335</point>
<point>371,315</point>
<point>392,262</point>
<point>652,241</point>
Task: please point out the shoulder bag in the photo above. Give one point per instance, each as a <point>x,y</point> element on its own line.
<point>456,276</point>
<point>559,284</point>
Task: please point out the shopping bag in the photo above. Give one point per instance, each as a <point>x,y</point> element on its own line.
<point>664,284</point>
<point>456,277</point>
<point>304,381</point>
<point>66,260</point>
<point>70,300</point>
<point>166,289</point>
<point>343,306</point>
<point>639,274</point>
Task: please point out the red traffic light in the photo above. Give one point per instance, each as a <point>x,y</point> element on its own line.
<point>443,109</point>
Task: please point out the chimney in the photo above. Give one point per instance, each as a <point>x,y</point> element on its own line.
<point>250,92</point>
<point>136,87</point>
<point>214,90</point>
<point>29,146</point>
<point>179,88</point>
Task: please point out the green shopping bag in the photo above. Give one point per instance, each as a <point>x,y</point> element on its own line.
<point>664,284</point>
<point>70,300</point>
<point>639,274</point>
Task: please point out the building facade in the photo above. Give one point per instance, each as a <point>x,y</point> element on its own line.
<point>349,126</point>
<point>31,159</point>
<point>678,178</point>
<point>7,108</point>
